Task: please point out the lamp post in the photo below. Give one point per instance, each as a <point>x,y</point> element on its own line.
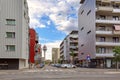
<point>44,49</point>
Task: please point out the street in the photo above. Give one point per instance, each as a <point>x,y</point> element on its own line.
<point>53,73</point>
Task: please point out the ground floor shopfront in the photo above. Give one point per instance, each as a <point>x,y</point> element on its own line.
<point>13,64</point>
<point>98,63</point>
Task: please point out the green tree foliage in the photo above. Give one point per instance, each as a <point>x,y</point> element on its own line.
<point>73,55</point>
<point>116,50</point>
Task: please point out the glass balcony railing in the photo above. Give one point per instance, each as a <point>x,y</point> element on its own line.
<point>108,43</point>
<point>105,21</point>
<point>105,8</point>
<point>104,32</point>
<point>104,54</point>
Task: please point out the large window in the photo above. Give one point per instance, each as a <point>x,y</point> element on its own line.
<point>101,50</point>
<point>102,39</point>
<point>115,39</point>
<point>10,21</point>
<point>10,47</point>
<point>10,34</point>
<point>115,18</point>
<point>102,17</point>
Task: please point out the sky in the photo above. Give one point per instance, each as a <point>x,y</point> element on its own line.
<point>53,20</point>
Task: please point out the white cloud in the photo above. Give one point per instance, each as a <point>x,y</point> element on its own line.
<point>57,10</point>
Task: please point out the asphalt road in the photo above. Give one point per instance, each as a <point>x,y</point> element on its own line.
<point>52,73</point>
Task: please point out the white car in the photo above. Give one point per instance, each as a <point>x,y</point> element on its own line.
<point>68,66</point>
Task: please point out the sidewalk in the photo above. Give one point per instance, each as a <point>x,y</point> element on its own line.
<point>100,70</point>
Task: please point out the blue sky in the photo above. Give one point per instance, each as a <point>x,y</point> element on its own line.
<point>53,20</point>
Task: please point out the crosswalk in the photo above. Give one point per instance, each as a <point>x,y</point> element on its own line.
<point>49,70</point>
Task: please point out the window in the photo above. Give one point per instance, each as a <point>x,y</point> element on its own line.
<point>89,12</point>
<point>102,39</point>
<point>10,21</point>
<point>102,17</point>
<point>10,34</point>
<point>89,32</point>
<point>101,50</point>
<point>82,11</point>
<point>82,28</point>
<point>115,39</point>
<point>115,6</point>
<point>10,47</point>
<point>115,18</point>
<point>82,45</point>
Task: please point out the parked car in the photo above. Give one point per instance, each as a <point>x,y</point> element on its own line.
<point>68,66</point>
<point>42,65</point>
<point>58,65</point>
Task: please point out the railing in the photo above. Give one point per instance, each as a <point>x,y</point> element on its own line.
<point>108,43</point>
<point>104,32</point>
<point>104,8</point>
<point>104,54</point>
<point>108,21</point>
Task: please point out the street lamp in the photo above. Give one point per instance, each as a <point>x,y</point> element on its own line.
<point>44,49</point>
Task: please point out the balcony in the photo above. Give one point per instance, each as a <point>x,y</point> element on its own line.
<point>104,55</point>
<point>74,47</point>
<point>74,41</point>
<point>105,8</point>
<point>104,21</point>
<point>116,10</point>
<point>104,32</point>
<point>107,44</point>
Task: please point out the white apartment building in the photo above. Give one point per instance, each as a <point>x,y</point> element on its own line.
<point>14,34</point>
<point>68,44</point>
<point>99,32</point>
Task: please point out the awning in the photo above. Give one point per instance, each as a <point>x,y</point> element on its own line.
<point>117,27</point>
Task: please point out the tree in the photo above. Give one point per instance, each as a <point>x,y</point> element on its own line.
<point>73,55</point>
<point>116,50</point>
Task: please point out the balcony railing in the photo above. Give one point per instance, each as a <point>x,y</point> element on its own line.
<point>107,21</point>
<point>107,44</point>
<point>73,40</point>
<point>104,55</point>
<point>74,47</point>
<point>105,8</point>
<point>104,32</point>
<point>116,10</point>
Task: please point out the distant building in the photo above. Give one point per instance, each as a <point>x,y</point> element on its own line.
<point>55,55</point>
<point>99,32</point>
<point>70,43</point>
<point>14,34</point>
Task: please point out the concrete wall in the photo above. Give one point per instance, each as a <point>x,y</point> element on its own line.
<point>86,20</point>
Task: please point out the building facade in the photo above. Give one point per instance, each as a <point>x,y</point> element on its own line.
<point>55,55</point>
<point>14,34</point>
<point>69,44</point>
<point>99,32</point>
<point>35,49</point>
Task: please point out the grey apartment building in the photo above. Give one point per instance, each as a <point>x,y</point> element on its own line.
<point>14,34</point>
<point>69,44</point>
<point>99,32</point>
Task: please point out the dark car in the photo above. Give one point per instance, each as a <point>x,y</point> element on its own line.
<point>42,65</point>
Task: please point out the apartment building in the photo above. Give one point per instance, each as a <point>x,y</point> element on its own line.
<point>69,44</point>
<point>55,55</point>
<point>99,32</point>
<point>14,34</point>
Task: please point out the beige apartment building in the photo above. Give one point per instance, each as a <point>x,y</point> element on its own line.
<point>70,43</point>
<point>55,55</point>
<point>99,32</point>
<point>14,34</point>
